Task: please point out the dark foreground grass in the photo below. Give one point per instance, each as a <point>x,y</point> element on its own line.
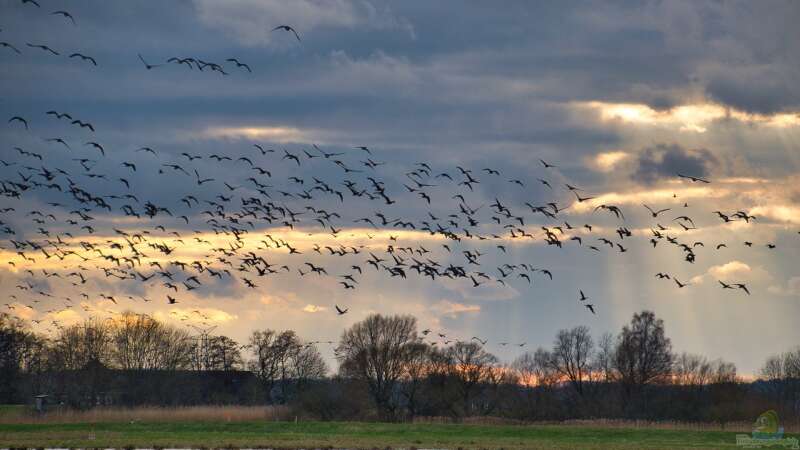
<point>351,435</point>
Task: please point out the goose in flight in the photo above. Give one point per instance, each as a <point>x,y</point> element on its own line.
<point>43,47</point>
<point>287,28</point>
<point>84,58</point>
<point>65,14</point>
<point>19,119</point>
<point>146,65</point>
<point>7,45</point>
<point>694,179</point>
<point>239,64</point>
<point>655,213</point>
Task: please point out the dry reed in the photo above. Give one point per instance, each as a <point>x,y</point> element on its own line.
<point>153,414</point>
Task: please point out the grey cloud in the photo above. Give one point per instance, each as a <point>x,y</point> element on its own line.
<point>667,160</point>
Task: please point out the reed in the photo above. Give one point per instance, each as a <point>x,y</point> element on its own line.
<point>152,414</point>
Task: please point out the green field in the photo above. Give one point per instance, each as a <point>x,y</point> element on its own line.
<point>351,435</point>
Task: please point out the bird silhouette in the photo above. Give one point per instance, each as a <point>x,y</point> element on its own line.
<point>146,65</point>
<point>287,28</point>
<point>20,120</point>
<point>64,14</point>
<point>656,213</point>
<point>84,58</point>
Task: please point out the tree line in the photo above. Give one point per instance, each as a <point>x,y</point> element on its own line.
<point>387,371</point>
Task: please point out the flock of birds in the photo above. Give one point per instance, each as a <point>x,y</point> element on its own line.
<point>242,225</point>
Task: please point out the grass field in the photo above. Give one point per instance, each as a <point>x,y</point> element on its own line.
<point>350,435</point>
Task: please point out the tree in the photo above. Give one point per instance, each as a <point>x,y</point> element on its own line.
<point>14,340</point>
<point>470,366</point>
<point>78,345</point>
<point>271,349</point>
<point>306,364</point>
<point>643,354</point>
<point>282,358</point>
<point>225,354</point>
<point>571,356</point>
<point>783,373</point>
<point>416,369</point>
<point>604,358</point>
<point>783,366</point>
<point>538,377</point>
<point>691,370</point>
<point>141,342</point>
<point>375,351</point>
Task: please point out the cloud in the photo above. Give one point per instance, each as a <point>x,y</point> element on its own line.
<point>608,161</point>
<point>314,308</point>
<point>22,311</point>
<point>686,117</point>
<point>733,271</point>
<point>251,21</point>
<point>792,288</point>
<point>255,132</point>
<point>453,309</point>
<point>65,317</point>
<point>780,213</point>
<point>775,93</point>
<point>665,161</point>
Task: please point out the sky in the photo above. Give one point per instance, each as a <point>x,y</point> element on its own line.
<point>621,97</point>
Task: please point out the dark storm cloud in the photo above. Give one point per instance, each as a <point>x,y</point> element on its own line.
<point>760,91</point>
<point>667,160</point>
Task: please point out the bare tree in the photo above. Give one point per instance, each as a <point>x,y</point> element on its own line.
<point>723,372</point>
<point>690,370</point>
<point>307,364</point>
<point>526,369</point>
<point>571,356</point>
<point>282,359</point>
<point>375,351</point>
<point>536,369</point>
<point>224,354</point>
<point>470,365</point>
<point>78,345</point>
<point>538,377</point>
<point>143,343</point>
<point>783,366</point>
<point>643,352</point>
<point>271,351</point>
<point>783,373</point>
<point>14,342</point>
<point>603,364</point>
<point>416,369</point>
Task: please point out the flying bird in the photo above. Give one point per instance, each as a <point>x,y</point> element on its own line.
<point>287,28</point>
<point>655,213</point>
<point>146,65</point>
<point>239,64</point>
<point>20,120</point>
<point>84,58</point>
<point>43,47</point>
<point>65,14</point>
<point>694,179</point>
<point>7,45</point>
